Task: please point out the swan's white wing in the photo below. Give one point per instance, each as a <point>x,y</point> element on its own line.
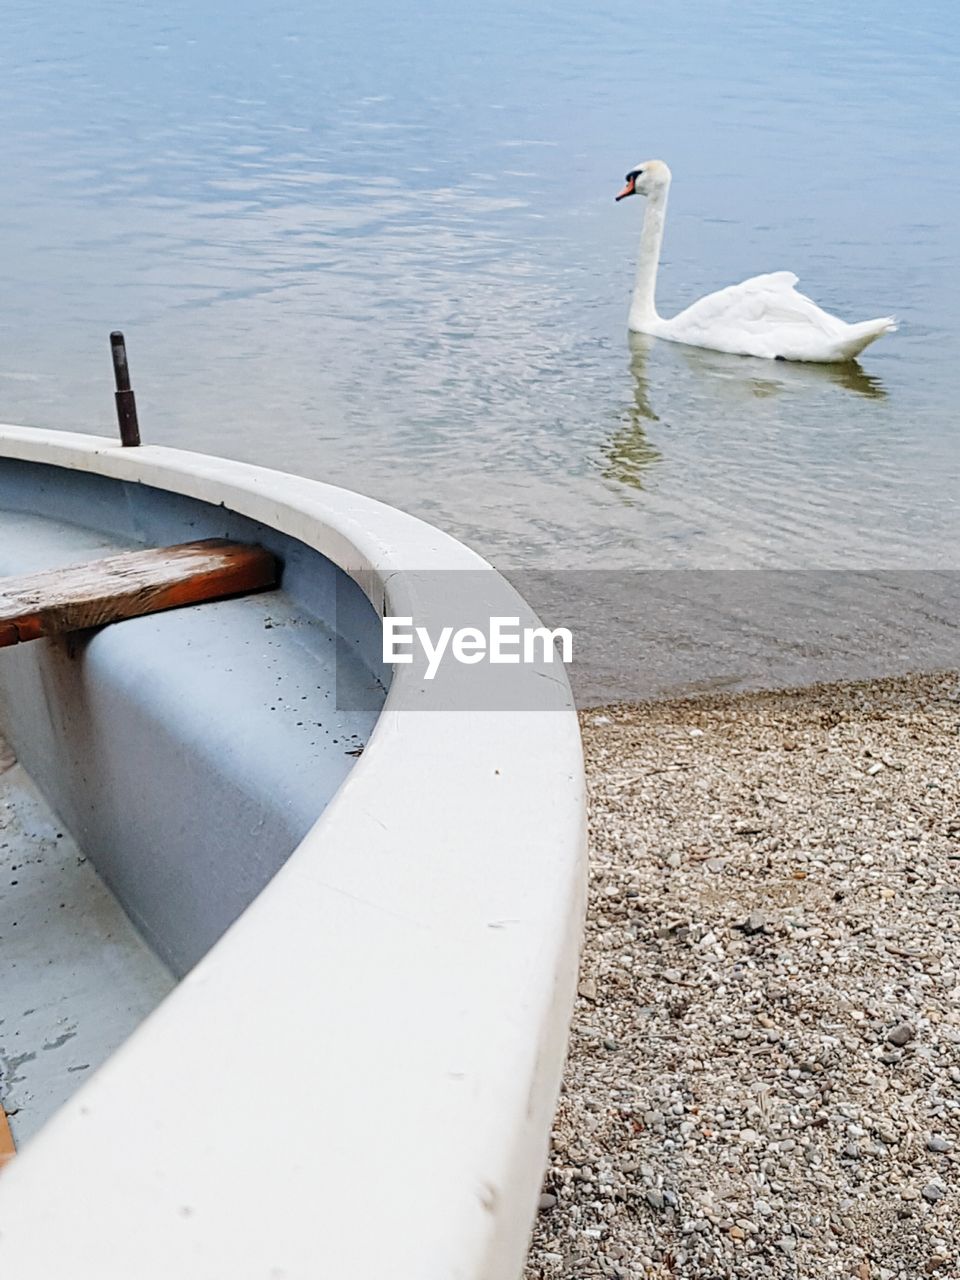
<point>763,316</point>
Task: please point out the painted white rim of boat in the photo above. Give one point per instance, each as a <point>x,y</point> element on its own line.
<point>358,1079</point>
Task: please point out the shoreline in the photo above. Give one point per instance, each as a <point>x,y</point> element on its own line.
<point>763,1077</point>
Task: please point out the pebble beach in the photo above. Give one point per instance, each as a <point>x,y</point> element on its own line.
<point>763,1077</point>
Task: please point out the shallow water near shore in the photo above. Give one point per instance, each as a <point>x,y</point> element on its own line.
<point>378,246</point>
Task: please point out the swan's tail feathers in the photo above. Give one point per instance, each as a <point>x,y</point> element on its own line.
<point>859,336</point>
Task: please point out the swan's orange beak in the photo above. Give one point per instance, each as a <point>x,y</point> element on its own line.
<point>628,190</point>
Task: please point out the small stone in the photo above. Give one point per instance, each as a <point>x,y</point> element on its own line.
<point>547,1201</point>
<point>737,1233</point>
<point>901,1034</point>
<point>756,922</point>
<point>939,1146</point>
<point>932,1193</point>
<point>654,1198</point>
<point>588,989</point>
<point>909,1193</point>
<point>749,1137</point>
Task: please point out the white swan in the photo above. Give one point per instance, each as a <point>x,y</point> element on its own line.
<point>764,316</point>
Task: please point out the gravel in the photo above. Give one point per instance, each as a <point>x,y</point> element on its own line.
<point>764,1067</point>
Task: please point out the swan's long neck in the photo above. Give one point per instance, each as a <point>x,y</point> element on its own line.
<point>643,308</point>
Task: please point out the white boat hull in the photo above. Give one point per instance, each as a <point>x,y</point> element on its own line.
<point>356,1078</point>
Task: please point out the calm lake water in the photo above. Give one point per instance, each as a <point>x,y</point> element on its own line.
<point>376,243</point>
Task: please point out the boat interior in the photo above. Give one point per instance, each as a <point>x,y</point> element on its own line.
<point>156,773</point>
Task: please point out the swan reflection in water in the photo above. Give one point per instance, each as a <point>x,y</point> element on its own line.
<point>629,451</point>
<point>763,378</point>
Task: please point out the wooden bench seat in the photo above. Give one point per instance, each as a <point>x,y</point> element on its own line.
<point>128,586</point>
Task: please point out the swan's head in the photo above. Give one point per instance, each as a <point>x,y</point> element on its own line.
<point>645,179</point>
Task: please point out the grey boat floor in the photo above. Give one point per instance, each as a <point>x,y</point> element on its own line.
<point>75,976</point>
